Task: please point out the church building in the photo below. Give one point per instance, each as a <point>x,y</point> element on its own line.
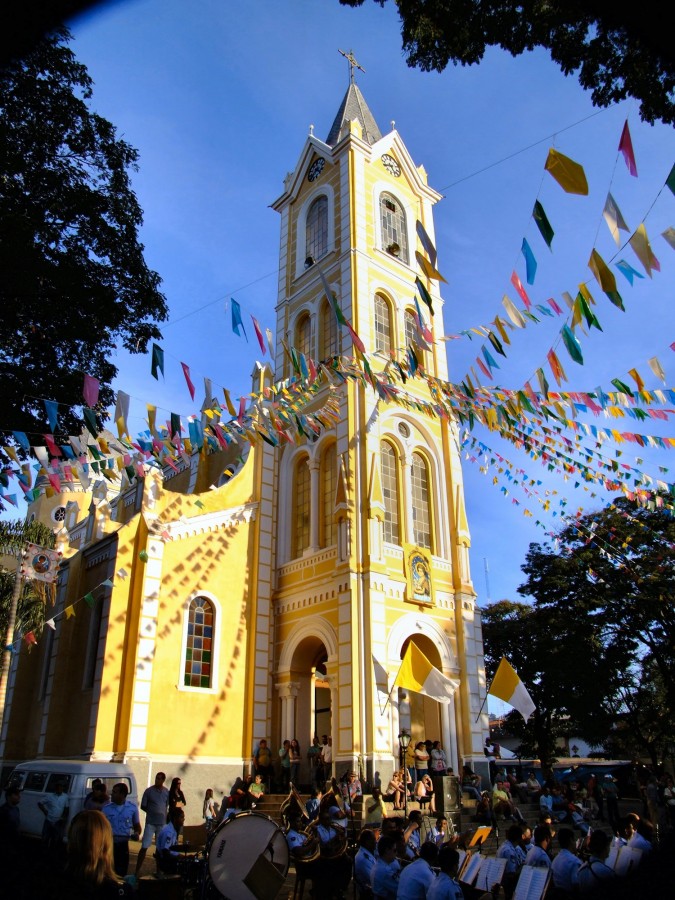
<point>261,591</point>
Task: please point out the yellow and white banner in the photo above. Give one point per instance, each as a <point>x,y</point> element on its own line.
<point>417,674</point>
<point>508,687</point>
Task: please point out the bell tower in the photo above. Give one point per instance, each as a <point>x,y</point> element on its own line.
<point>368,532</point>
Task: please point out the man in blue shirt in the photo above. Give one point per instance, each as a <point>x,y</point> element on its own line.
<point>123,817</point>
<point>566,863</point>
<point>364,861</point>
<point>386,871</point>
<point>445,885</point>
<point>416,878</point>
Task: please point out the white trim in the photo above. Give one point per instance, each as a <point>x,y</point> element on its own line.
<point>301,226</point>
<point>313,626</point>
<point>235,515</point>
<point>215,644</point>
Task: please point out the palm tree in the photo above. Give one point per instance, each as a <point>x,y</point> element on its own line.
<point>30,615</point>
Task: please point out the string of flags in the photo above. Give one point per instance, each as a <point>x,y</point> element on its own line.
<point>280,413</point>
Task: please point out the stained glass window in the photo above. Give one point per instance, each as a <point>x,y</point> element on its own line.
<point>301,511</point>
<point>199,644</point>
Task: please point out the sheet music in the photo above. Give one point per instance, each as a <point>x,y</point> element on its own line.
<point>471,869</point>
<point>531,883</point>
<point>491,873</point>
<point>462,857</point>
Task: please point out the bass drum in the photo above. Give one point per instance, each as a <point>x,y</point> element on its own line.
<point>247,858</point>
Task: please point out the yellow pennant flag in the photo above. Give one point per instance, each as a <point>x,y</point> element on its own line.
<point>569,174</point>
<point>508,687</point>
<point>70,612</point>
<point>642,249</point>
<point>417,674</point>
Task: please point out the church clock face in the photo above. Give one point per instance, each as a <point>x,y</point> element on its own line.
<point>391,165</point>
<point>316,169</point>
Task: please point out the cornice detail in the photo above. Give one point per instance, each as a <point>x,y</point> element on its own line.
<point>237,515</point>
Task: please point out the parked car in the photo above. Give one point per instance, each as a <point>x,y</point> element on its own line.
<point>39,777</point>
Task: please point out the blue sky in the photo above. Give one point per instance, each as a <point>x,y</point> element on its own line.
<point>218,98</point>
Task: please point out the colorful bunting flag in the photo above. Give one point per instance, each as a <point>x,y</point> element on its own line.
<point>516,282</point>
<point>186,373</point>
<point>236,319</point>
<point>572,345</point>
<point>513,312</point>
<point>543,223</point>
<point>642,249</point>
<point>568,173</point>
<point>628,271</point>
<point>530,262</point>
<point>614,219</point>
<point>259,334</point>
<point>157,362</point>
<point>90,390</point>
<point>426,242</point>
<point>626,147</point>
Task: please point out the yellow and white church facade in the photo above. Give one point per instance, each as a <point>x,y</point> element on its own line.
<point>271,592</point>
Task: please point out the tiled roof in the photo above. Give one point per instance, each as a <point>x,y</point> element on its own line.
<point>354,107</point>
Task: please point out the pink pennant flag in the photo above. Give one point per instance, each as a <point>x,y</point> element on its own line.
<point>191,387</point>
<point>515,281</point>
<point>55,481</point>
<point>242,409</point>
<point>554,306</point>
<point>51,446</point>
<point>626,147</point>
<point>90,390</point>
<point>259,334</point>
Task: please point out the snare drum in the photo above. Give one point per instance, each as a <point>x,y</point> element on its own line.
<point>247,857</point>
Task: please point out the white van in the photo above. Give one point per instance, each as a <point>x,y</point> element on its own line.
<point>39,777</point>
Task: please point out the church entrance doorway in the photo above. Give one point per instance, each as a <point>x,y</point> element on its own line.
<point>313,703</point>
<point>420,715</point>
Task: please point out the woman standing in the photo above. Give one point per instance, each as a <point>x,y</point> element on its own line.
<point>295,758</point>
<point>210,810</point>
<point>439,763</point>
<point>421,760</point>
<point>176,797</point>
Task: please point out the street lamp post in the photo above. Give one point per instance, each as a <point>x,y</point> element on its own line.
<point>403,744</point>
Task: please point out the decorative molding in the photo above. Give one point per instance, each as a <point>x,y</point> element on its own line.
<point>213,521</point>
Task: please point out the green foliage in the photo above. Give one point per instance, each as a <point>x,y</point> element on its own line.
<point>73,280</point>
<point>34,595</point>
<point>595,647</point>
<point>618,52</point>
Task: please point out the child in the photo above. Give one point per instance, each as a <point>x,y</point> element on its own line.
<point>210,810</point>
<point>256,790</point>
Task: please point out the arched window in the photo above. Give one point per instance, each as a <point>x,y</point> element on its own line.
<point>303,334</point>
<point>392,223</point>
<point>301,507</point>
<point>389,469</point>
<point>328,483</point>
<point>412,335</point>
<point>197,667</point>
<point>421,504</point>
<point>382,313</point>
<point>329,332</point>
<point>316,229</point>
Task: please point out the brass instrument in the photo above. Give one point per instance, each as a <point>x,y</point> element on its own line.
<point>336,847</point>
<point>293,805</point>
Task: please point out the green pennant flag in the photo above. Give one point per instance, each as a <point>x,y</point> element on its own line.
<point>425,295</point>
<point>670,181</point>
<point>175,425</point>
<point>572,344</point>
<point>492,337</point>
<point>588,314</point>
<point>621,387</point>
<point>89,600</point>
<point>543,223</point>
<point>615,297</point>
<point>157,361</point>
<point>543,383</point>
<point>90,421</point>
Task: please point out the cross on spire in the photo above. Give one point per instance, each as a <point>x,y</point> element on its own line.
<point>351,59</point>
